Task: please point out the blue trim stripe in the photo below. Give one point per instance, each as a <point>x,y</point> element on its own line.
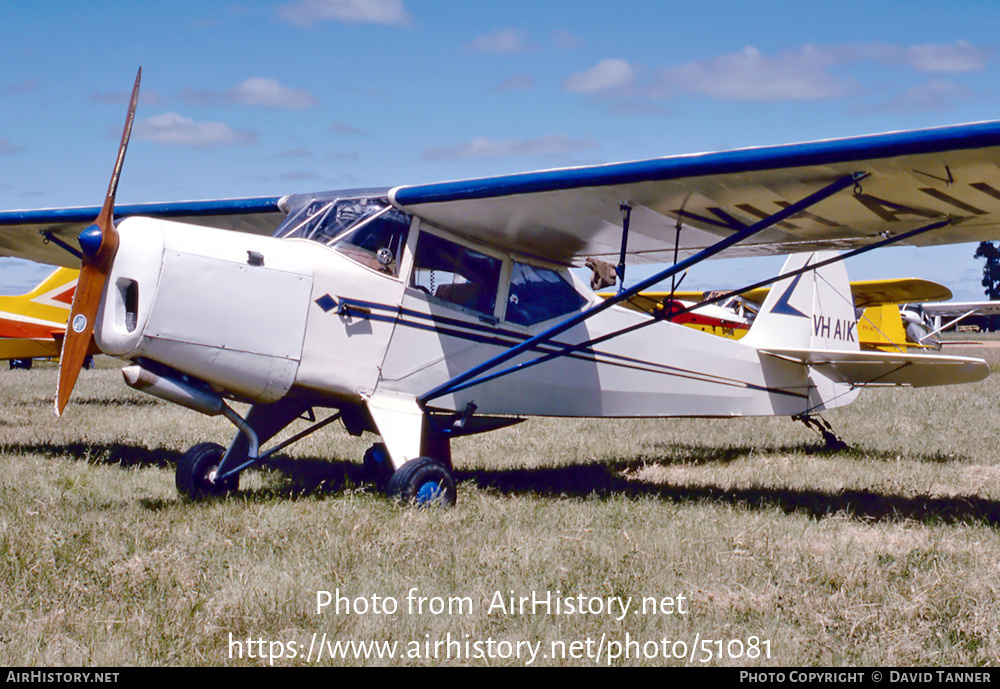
<point>496,337</point>
<point>160,210</point>
<point>878,146</point>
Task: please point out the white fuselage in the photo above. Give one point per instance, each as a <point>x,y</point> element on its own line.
<point>260,317</point>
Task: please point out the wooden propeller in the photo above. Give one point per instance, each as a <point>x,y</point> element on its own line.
<point>98,244</point>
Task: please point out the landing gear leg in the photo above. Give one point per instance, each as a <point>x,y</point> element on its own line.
<point>823,427</point>
<point>378,465</point>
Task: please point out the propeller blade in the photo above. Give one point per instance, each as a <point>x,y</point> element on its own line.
<point>98,244</point>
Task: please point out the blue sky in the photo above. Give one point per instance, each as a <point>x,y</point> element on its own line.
<point>272,97</point>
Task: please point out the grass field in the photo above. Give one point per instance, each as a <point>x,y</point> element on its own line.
<point>758,547</point>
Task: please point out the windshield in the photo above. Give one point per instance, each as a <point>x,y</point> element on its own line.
<point>366,229</point>
<point>325,220</point>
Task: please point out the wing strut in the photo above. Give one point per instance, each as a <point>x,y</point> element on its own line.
<point>626,210</point>
<point>946,326</point>
<point>468,378</point>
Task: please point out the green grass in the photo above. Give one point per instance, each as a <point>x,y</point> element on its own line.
<point>884,554</point>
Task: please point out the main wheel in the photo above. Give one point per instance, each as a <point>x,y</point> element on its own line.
<point>196,470</point>
<point>424,481</point>
<point>378,465</point>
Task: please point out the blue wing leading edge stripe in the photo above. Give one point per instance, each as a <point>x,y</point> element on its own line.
<point>161,210</point>
<point>958,137</point>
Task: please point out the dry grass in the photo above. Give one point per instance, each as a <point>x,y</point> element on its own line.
<point>886,554</point>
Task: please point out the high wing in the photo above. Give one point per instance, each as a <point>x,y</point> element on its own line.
<point>43,235</point>
<point>912,179</point>
<point>953,309</point>
<point>905,181</point>
<point>878,292</point>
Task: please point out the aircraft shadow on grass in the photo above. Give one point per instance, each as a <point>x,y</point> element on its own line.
<point>301,477</point>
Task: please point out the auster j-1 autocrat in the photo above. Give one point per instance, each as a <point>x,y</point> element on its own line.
<point>425,313</point>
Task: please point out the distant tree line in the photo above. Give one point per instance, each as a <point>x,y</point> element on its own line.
<point>990,253</point>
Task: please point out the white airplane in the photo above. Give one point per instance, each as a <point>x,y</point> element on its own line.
<point>424,313</point>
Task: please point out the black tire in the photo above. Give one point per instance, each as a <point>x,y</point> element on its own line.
<point>378,465</point>
<point>425,482</point>
<point>20,363</point>
<point>195,473</point>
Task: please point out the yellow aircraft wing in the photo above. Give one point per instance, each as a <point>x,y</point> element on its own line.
<point>877,292</point>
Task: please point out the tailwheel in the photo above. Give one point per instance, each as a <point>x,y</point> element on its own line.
<point>196,471</point>
<point>424,481</point>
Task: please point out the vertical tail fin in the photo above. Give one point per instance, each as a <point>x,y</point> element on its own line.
<point>810,310</point>
<point>813,310</point>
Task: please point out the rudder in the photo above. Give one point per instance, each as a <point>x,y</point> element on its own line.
<point>808,310</point>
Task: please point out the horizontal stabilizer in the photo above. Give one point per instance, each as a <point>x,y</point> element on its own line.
<point>865,368</point>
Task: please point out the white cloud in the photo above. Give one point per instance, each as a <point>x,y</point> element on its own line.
<point>309,12</point>
<point>933,95</point>
<point>807,72</point>
<point>566,40</point>
<point>270,94</point>
<point>606,75</point>
<point>518,81</point>
<point>749,75</point>
<point>950,57</point>
<point>29,86</point>
<point>345,128</point>
<point>7,147</point>
<point>172,129</point>
<point>556,145</point>
<point>507,41</point>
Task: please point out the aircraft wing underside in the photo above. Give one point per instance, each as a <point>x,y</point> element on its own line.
<point>913,179</point>
<point>35,235</point>
<point>954,309</point>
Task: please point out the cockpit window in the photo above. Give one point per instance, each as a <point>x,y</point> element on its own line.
<point>323,220</point>
<point>366,229</point>
<point>538,294</point>
<point>377,241</point>
<point>456,274</point>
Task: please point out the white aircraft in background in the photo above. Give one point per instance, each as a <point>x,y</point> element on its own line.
<point>424,313</point>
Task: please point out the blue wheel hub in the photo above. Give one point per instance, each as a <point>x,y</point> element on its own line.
<point>429,492</point>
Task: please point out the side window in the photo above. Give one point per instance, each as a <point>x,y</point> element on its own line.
<point>538,294</point>
<point>377,242</point>
<point>456,274</point>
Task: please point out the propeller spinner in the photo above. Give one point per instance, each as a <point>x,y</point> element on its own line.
<point>98,244</point>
